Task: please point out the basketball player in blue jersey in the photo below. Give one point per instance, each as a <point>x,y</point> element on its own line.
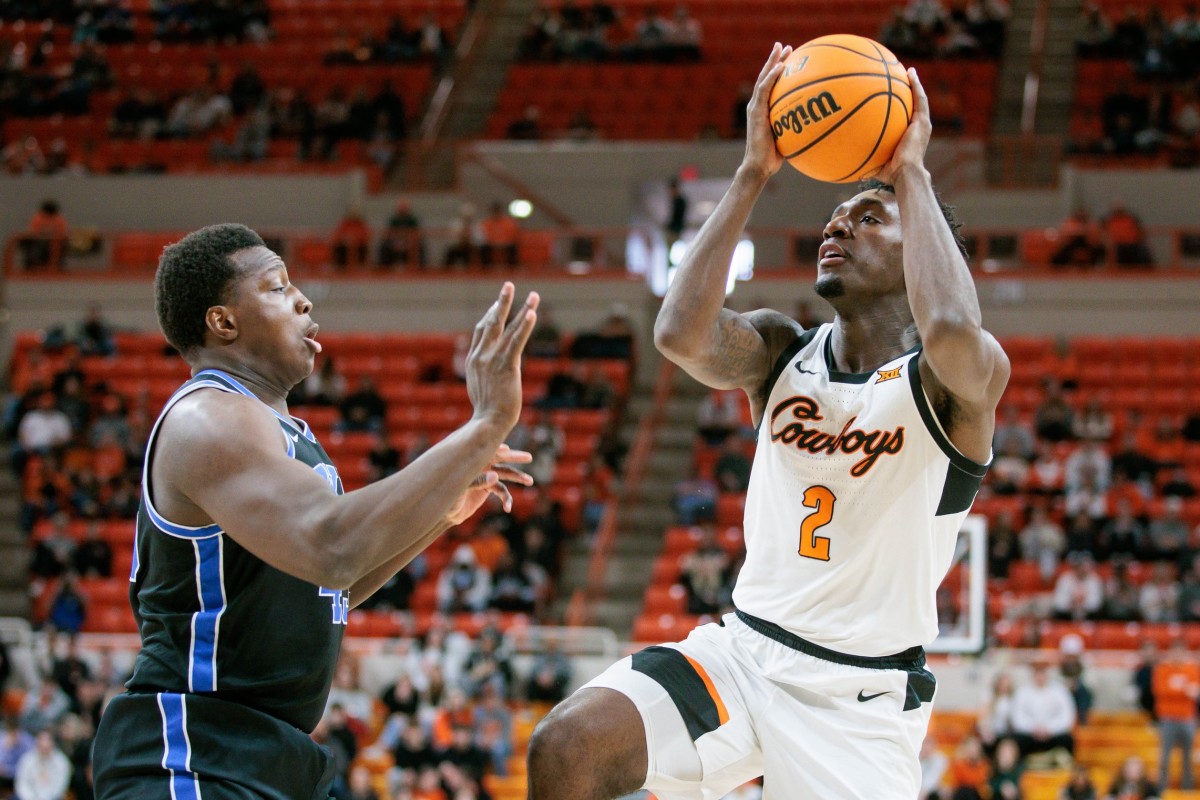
<point>248,555</point>
<point>874,432</point>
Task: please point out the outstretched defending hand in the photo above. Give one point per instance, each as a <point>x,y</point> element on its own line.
<point>910,151</point>
<point>492,482</point>
<point>761,153</point>
<point>494,360</point>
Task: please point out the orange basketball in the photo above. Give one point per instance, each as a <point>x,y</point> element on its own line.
<point>839,108</point>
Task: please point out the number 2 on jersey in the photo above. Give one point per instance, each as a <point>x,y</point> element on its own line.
<point>821,500</point>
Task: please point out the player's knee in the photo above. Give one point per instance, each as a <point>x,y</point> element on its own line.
<point>588,745</point>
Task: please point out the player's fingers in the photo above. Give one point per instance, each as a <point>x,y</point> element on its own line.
<point>920,99</point>
<point>771,61</point>
<point>513,475</point>
<point>501,491</point>
<point>762,92</point>
<point>519,329</point>
<point>507,455</point>
<point>493,321</point>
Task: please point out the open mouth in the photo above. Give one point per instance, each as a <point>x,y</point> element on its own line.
<point>830,255</point>
<point>310,338</point>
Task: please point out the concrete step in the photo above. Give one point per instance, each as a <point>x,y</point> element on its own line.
<point>14,602</point>
<point>14,565</point>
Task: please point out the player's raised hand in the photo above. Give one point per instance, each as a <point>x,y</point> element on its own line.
<point>494,360</point>
<point>761,153</point>
<point>492,482</point>
<point>910,151</point>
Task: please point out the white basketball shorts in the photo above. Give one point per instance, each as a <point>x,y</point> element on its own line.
<point>738,700</point>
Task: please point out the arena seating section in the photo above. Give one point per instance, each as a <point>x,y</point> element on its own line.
<point>660,101</point>
<point>400,365</point>
<point>1150,378</point>
<point>303,30</point>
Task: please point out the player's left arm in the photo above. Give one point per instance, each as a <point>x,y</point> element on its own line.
<point>959,358</point>
<point>491,482</point>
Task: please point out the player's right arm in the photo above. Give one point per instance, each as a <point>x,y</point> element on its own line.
<point>227,464</point>
<point>718,347</point>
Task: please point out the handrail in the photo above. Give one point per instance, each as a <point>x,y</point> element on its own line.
<point>495,168</point>
<point>583,604</point>
<point>781,250</point>
<point>1037,57</point>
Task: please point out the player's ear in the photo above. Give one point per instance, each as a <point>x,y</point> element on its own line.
<point>221,323</point>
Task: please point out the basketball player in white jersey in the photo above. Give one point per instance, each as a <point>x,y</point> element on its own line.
<point>874,432</point>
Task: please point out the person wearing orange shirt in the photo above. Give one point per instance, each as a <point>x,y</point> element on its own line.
<point>1126,238</point>
<point>969,770</point>
<point>500,233</point>
<point>47,237</point>
<point>350,240</point>
<point>1080,236</point>
<point>1176,682</point>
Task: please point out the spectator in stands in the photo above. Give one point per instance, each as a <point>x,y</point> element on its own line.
<point>466,238</point>
<point>719,416</point>
<point>1131,783</point>
<point>1131,461</point>
<point>1168,533</point>
<point>1070,669</point>
<point>1047,473</point>
<point>1123,534</point>
<point>14,743</point>
<point>44,706</point>
<point>1079,785</point>
<point>582,128</point>
<point>1122,597</point>
<point>528,126</point>
<point>43,429</point>
<point>350,240</point>
<point>1088,496</point>
<point>1078,592</point>
<point>707,575</point>
<point>1080,236</point>
<point>650,37</point>
<point>684,36</point>
<point>732,470</point>
<point>95,334</point>
<point>1043,713</point>
<point>695,499</point>
<point>1159,597</point>
<point>68,608</point>
<point>324,387</point>
<point>517,585</point>
<point>994,723</point>
<point>93,557</point>
<point>140,115</point>
<point>413,750</point>
<point>488,663</point>
<point>198,113</point>
<point>45,239</point>
<point>1005,782</point>
<point>43,773</point>
<point>500,232</point>
<point>1054,418</point>
<point>1094,422</point>
<point>492,724</point>
<point>1142,677</point>
<point>1043,541</point>
<point>363,409</point>
<point>1127,238</point>
<point>401,241</point>
<point>360,786</point>
<point>1093,33</point>
<point>1002,551</point>
<point>969,770</point>
<point>549,675</point>
<point>463,585</point>
<point>383,458</point>
<point>1010,470</point>
<point>1176,686</point>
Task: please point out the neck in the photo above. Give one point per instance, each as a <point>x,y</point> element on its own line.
<point>863,339</point>
<point>274,395</point>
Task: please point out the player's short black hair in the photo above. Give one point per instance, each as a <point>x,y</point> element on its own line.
<point>193,276</point>
<point>874,184</point>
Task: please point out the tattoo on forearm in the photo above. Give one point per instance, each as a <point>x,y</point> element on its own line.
<point>736,350</point>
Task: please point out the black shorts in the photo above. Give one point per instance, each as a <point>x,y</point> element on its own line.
<point>192,747</point>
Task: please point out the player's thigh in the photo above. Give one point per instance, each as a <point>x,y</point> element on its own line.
<point>699,738</point>
<point>830,744</point>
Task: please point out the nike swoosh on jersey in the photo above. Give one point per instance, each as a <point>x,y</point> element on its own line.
<point>862,698</point>
<point>295,437</point>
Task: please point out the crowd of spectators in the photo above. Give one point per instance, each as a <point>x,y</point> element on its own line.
<point>596,31</point>
<point>399,42</point>
<point>925,29</point>
<point>1119,238</point>
<point>1160,111</point>
<point>112,21</point>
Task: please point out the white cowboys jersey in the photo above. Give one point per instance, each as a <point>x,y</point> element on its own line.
<point>855,501</point>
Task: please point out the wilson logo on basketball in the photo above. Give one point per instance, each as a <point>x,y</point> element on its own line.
<point>806,113</point>
<point>849,440</point>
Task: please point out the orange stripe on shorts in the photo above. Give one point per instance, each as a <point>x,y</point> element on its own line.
<point>722,714</point>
